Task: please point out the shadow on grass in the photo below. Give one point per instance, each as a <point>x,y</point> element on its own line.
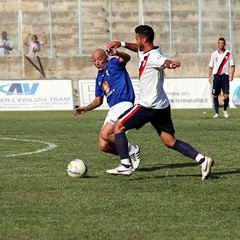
<point>214,175</point>
<point>163,166</point>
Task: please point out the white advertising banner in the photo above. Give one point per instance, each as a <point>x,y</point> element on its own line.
<point>188,92</point>
<point>31,95</point>
<point>86,92</point>
<point>182,92</point>
<point>234,95</point>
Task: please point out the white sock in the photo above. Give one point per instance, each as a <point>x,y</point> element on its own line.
<point>125,161</point>
<point>199,157</point>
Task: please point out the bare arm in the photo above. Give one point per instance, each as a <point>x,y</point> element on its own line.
<point>172,64</point>
<point>94,104</point>
<point>210,76</point>
<point>116,44</point>
<point>44,38</point>
<point>26,39</point>
<point>232,70</point>
<point>123,57</point>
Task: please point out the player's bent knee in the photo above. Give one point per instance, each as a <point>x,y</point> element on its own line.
<point>118,127</point>
<point>103,147</point>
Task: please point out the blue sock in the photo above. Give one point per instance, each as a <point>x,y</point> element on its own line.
<point>216,104</point>
<point>122,145</point>
<point>185,149</point>
<point>226,101</point>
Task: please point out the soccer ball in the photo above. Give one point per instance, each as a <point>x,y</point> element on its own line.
<point>77,168</point>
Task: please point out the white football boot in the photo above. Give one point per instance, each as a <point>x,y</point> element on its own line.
<point>206,167</point>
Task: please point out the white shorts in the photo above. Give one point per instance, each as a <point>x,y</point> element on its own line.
<point>116,110</point>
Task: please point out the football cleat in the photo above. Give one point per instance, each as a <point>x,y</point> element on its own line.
<point>206,167</point>
<point>216,115</point>
<point>226,115</point>
<point>121,170</point>
<point>135,158</point>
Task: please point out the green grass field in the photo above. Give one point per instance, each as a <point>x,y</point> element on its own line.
<point>164,199</point>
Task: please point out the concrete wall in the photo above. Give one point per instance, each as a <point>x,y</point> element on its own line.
<point>96,30</point>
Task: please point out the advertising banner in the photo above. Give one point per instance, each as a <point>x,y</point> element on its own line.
<point>182,92</point>
<point>188,92</point>
<point>31,95</point>
<point>234,95</point>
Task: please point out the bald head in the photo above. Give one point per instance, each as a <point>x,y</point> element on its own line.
<point>99,58</point>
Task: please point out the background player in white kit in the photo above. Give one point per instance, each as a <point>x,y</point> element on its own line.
<point>221,71</point>
<point>114,83</point>
<point>154,106</point>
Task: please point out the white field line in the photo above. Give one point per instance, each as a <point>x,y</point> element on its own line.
<point>50,146</point>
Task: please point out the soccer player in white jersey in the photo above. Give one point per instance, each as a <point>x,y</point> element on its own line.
<point>114,83</point>
<point>221,71</point>
<point>154,106</point>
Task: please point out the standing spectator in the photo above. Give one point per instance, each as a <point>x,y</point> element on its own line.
<point>154,106</point>
<point>34,44</point>
<point>221,71</point>
<point>5,45</point>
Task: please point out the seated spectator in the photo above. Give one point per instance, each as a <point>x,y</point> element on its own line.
<point>34,44</point>
<point>5,45</point>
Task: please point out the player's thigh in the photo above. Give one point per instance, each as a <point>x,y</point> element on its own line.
<point>162,121</point>
<point>136,117</point>
<point>106,131</point>
<point>116,110</point>
<point>216,89</point>
<point>225,84</point>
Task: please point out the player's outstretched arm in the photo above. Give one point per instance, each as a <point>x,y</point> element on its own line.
<point>123,57</point>
<point>172,64</point>
<point>116,44</point>
<point>94,104</point>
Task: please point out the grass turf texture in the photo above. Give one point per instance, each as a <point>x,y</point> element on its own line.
<point>164,199</point>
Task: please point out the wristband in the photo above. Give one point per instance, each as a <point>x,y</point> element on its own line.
<point>123,44</point>
<point>170,66</point>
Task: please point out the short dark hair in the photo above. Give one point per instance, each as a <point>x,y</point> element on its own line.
<point>145,31</point>
<point>222,39</point>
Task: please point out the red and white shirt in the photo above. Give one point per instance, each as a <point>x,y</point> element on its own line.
<point>151,78</point>
<point>221,62</point>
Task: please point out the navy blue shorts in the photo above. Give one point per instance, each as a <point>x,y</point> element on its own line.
<point>220,82</point>
<point>138,116</point>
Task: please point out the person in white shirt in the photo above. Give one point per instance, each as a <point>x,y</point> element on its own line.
<point>154,106</point>
<point>220,73</point>
<point>5,45</point>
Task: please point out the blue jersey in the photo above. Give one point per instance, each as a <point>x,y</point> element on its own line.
<point>115,83</point>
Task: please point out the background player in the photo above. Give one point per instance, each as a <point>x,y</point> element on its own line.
<point>221,71</point>
<point>114,82</point>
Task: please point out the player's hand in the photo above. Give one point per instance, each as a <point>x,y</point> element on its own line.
<point>111,51</point>
<point>175,64</point>
<point>78,111</point>
<point>210,79</point>
<point>113,44</point>
<point>230,78</point>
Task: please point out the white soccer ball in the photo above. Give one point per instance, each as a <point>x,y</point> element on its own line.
<point>77,168</point>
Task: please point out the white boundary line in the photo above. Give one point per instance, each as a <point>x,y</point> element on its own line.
<point>50,146</point>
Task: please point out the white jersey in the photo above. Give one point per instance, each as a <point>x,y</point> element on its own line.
<point>221,62</point>
<point>151,78</point>
<point>4,51</point>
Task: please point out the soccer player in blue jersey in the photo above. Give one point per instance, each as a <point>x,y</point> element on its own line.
<point>114,83</point>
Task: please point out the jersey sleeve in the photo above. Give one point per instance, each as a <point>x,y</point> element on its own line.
<point>232,63</point>
<point>98,89</point>
<point>211,62</point>
<point>157,60</point>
